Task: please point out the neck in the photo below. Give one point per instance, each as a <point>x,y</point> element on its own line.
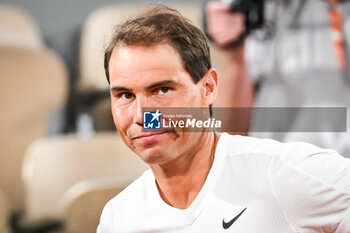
<point>180,182</point>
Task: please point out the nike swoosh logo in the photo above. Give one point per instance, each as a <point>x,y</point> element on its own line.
<point>226,225</point>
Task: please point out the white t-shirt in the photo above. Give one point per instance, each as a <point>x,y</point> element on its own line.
<point>260,185</point>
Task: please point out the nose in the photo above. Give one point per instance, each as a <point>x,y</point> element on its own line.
<point>138,117</point>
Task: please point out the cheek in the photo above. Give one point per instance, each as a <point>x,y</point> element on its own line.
<point>195,94</point>
<point>194,99</point>
<point>187,98</point>
<point>120,118</point>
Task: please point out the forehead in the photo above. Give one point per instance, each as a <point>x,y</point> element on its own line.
<point>140,64</point>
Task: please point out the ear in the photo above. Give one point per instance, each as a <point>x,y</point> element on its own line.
<point>209,86</point>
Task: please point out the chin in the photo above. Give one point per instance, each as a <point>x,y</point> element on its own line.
<point>151,156</point>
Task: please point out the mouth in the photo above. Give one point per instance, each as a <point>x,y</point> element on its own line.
<point>147,135</point>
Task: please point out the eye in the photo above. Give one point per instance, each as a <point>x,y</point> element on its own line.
<point>164,89</point>
<point>161,90</point>
<point>123,96</point>
<point>126,95</point>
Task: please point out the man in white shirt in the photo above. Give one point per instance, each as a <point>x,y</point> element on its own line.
<point>204,181</point>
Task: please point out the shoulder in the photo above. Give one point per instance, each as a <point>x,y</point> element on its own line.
<point>302,157</point>
<point>312,189</point>
<point>117,209</point>
<point>131,193</point>
<point>311,184</point>
<point>237,144</point>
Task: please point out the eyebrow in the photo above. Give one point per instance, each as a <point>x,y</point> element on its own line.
<point>161,83</point>
<point>120,89</point>
<point>158,84</point>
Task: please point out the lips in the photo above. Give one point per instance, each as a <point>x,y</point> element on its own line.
<point>147,135</point>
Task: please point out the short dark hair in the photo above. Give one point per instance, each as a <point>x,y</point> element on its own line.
<point>161,24</point>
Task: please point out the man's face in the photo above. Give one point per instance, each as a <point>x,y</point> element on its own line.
<point>153,77</point>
